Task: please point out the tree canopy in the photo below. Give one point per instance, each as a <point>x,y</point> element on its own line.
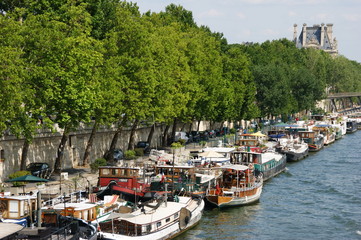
<point>68,63</point>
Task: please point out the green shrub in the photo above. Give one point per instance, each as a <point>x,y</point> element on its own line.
<point>182,141</point>
<point>97,163</point>
<point>18,174</point>
<point>129,154</point>
<point>176,145</point>
<point>139,151</point>
<point>232,130</point>
<point>203,143</point>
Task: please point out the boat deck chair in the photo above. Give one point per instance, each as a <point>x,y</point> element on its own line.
<point>110,200</point>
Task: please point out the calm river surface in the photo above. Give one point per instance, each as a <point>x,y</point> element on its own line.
<point>316,198</point>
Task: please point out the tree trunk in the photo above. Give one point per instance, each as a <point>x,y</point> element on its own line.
<point>60,155</point>
<point>183,127</point>
<point>199,123</point>
<point>174,129</point>
<point>24,155</point>
<point>165,136</point>
<point>89,145</point>
<point>132,133</point>
<point>108,155</point>
<point>190,127</point>
<point>151,134</point>
<point>211,123</point>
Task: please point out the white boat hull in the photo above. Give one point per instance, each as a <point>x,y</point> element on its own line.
<point>166,233</point>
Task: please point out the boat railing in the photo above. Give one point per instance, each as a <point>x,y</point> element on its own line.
<point>69,232</point>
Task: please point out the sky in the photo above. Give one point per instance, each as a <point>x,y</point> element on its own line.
<point>261,20</point>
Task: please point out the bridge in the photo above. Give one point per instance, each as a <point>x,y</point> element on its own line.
<point>344,103</point>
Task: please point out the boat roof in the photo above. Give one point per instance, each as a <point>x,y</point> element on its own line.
<point>175,166</point>
<point>76,206</point>
<point>116,167</point>
<point>237,167</point>
<point>323,125</point>
<point>18,197</point>
<point>152,215</point>
<point>219,149</point>
<point>268,156</point>
<point>9,228</point>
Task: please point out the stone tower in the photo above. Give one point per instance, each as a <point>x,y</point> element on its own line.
<point>317,36</point>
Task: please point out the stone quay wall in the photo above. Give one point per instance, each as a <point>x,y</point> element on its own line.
<point>45,144</point>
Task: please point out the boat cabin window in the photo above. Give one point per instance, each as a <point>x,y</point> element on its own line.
<point>175,215</point>
<point>159,224</point>
<point>167,220</point>
<point>105,171</point>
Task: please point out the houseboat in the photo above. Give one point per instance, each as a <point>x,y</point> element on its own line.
<point>356,117</point>
<point>294,148</point>
<point>314,139</point>
<point>123,181</point>
<point>237,186</point>
<point>85,211</point>
<point>159,219</point>
<point>18,209</point>
<point>269,163</point>
<point>351,126</point>
<point>327,131</point>
<point>180,179</point>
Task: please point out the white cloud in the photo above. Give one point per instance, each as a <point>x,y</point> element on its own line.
<point>212,13</point>
<point>285,2</point>
<point>352,17</point>
<point>270,32</point>
<point>241,15</point>
<point>292,13</point>
<point>320,17</point>
<point>246,33</point>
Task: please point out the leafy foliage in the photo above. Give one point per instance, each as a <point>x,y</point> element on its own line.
<point>68,63</point>
<point>97,163</point>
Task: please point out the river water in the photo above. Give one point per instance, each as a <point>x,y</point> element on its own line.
<point>318,197</point>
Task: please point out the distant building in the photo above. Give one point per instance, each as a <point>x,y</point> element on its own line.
<point>317,36</point>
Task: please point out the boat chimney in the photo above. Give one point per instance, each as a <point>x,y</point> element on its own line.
<point>38,203</point>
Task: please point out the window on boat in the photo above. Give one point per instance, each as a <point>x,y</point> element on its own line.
<point>105,172</point>
<point>167,220</point>
<point>159,224</point>
<point>148,228</point>
<point>175,215</point>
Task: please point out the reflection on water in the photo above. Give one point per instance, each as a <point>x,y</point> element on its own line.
<point>225,223</point>
<point>316,198</point>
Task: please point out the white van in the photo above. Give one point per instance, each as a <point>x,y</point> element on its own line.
<point>181,135</point>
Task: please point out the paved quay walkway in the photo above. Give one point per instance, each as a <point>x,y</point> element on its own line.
<point>75,179</point>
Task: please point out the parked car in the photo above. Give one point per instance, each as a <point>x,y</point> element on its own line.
<point>181,135</point>
<point>39,169</point>
<point>143,145</point>
<point>204,136</point>
<point>195,136</point>
<point>118,154</point>
<point>211,133</point>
